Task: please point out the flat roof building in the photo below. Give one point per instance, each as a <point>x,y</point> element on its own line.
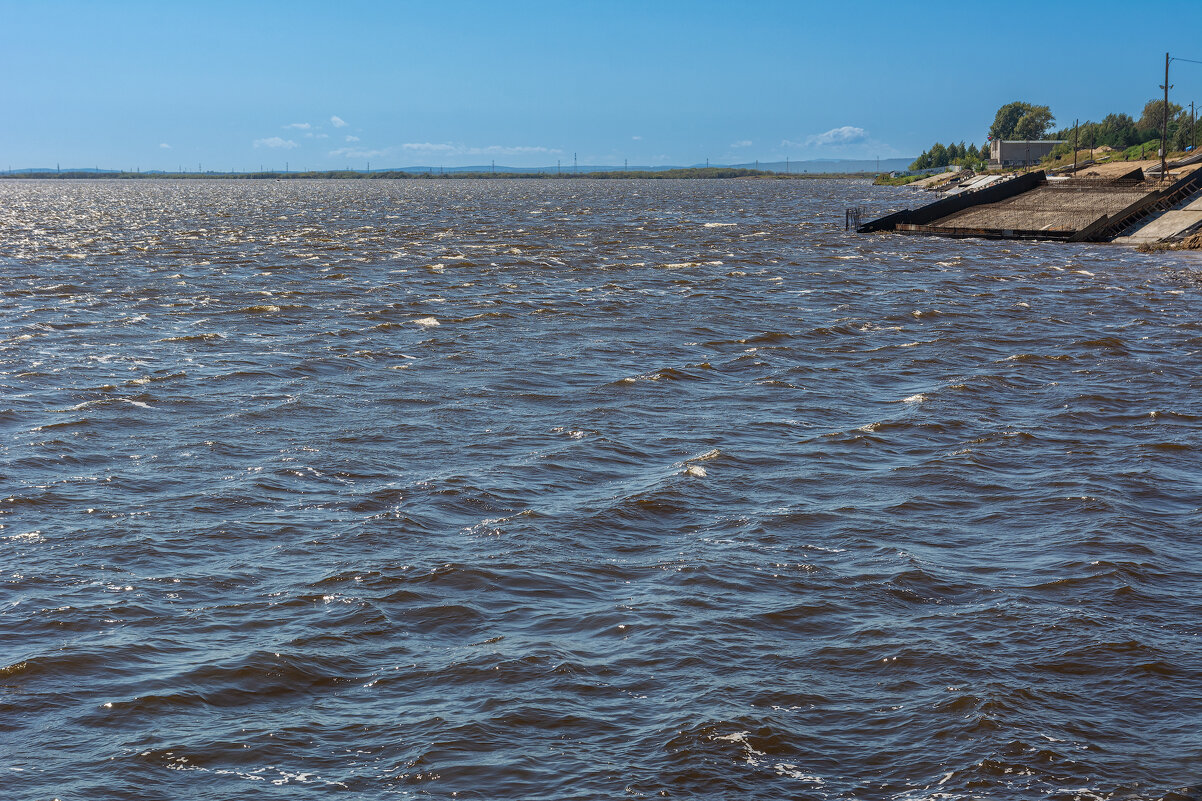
<point>1019,152</point>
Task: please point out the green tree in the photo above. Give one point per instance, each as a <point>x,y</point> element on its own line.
<point>1118,131</point>
<point>938,155</point>
<point>1181,131</point>
<point>1019,120</point>
<point>1034,123</point>
<point>1153,115</point>
<point>1006,119</point>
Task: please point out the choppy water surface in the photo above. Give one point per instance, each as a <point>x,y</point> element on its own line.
<point>587,490</point>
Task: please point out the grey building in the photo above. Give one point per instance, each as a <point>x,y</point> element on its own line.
<point>1019,152</point>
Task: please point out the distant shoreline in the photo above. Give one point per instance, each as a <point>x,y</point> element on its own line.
<point>685,173</point>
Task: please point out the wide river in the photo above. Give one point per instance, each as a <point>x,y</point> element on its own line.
<point>587,490</point>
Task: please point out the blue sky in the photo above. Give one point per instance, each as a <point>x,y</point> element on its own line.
<point>325,85</point>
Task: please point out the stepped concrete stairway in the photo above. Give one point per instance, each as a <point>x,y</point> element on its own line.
<point>1167,226</point>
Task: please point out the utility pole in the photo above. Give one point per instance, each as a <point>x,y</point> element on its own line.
<point>786,165</point>
<point>1075,124</point>
<point>575,166</point>
<point>1164,128</point>
<point>1193,126</point>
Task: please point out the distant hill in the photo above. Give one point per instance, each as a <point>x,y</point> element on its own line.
<point>52,171</point>
<point>833,165</point>
<point>566,169</point>
<point>811,166</point>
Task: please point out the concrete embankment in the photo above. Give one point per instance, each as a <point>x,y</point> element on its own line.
<point>1169,226</point>
<point>1128,208</point>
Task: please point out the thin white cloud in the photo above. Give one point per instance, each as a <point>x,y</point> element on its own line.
<point>843,135</point>
<point>502,150</point>
<point>358,153</point>
<point>303,126</point>
<point>442,150</point>
<point>428,147</point>
<point>165,146</point>
<point>741,143</point>
<point>275,141</point>
<point>474,150</point>
<point>636,138</point>
<point>338,122</point>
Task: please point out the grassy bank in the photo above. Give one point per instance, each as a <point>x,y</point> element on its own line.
<point>900,180</point>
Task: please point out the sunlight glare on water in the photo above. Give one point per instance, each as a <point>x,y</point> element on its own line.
<point>587,489</point>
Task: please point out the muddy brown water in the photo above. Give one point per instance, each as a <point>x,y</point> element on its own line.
<point>583,490</point>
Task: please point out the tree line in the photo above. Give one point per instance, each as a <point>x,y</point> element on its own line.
<point>1122,131</point>
<point>1022,121</point>
<point>1017,120</point>
<point>941,155</point>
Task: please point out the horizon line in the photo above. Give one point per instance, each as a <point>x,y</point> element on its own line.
<point>784,165</point>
